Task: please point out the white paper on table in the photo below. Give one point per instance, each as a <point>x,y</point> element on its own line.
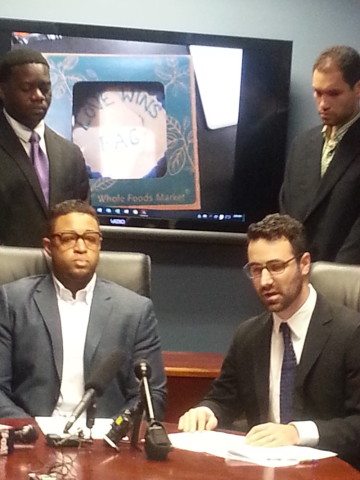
<point>215,443</point>
<point>56,425</point>
<point>233,447</point>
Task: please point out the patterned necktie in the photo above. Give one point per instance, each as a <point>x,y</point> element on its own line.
<point>41,164</point>
<point>288,371</point>
<point>328,154</point>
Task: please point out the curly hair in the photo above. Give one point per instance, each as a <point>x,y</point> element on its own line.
<point>275,227</point>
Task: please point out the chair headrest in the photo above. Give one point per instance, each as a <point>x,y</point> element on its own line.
<point>339,283</point>
<point>129,269</point>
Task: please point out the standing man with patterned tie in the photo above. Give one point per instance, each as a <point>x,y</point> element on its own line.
<point>294,371</point>
<point>38,167</point>
<point>322,175</point>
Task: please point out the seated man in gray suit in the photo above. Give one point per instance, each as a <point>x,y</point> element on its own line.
<point>293,371</point>
<point>56,329</point>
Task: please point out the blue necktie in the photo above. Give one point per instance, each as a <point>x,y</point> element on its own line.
<point>288,372</point>
<point>41,164</point>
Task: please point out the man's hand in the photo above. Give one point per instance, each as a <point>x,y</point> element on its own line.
<point>272,435</point>
<point>198,419</point>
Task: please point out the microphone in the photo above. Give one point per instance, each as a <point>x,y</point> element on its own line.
<point>130,419</point>
<point>119,428</point>
<point>96,385</point>
<point>10,436</point>
<point>25,435</point>
<point>157,443</point>
<point>143,372</point>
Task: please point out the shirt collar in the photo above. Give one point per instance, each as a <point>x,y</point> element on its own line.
<point>84,295</point>
<point>299,322</point>
<point>338,132</point>
<point>21,130</point>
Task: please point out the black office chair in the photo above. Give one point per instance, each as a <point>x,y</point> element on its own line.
<point>130,270</point>
<point>339,283</point>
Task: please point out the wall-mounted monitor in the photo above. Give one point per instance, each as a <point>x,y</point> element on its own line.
<point>178,130</point>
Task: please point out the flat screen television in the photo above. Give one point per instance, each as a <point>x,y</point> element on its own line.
<point>178,130</point>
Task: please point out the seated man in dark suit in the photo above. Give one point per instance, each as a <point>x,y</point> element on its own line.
<point>39,168</point>
<point>56,329</point>
<point>293,371</point>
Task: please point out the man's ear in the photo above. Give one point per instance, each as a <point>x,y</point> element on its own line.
<point>305,263</point>
<point>47,245</point>
<point>357,88</point>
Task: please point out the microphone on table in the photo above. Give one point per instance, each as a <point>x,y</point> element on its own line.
<point>157,443</point>
<point>120,428</point>
<point>9,436</point>
<point>143,373</point>
<point>25,435</point>
<point>96,386</point>
<point>130,419</point>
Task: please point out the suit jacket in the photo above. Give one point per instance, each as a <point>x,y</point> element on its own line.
<point>329,207</point>
<point>23,212</point>
<point>31,347</point>
<point>327,387</point>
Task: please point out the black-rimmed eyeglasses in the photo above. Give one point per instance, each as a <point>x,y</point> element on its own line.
<point>274,267</point>
<point>69,239</point>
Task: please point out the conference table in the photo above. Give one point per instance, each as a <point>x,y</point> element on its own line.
<point>99,461</point>
<point>189,376</point>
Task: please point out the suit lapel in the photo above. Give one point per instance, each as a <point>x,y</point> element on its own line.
<point>346,151</point>
<point>45,299</point>
<point>100,313</point>
<point>11,144</point>
<point>261,359</point>
<point>311,173</point>
<point>316,338</point>
<point>53,150</point>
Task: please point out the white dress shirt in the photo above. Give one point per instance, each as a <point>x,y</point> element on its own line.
<point>299,324</point>
<point>74,317</point>
<point>24,133</point>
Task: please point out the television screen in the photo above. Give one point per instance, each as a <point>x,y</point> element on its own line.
<point>178,130</point>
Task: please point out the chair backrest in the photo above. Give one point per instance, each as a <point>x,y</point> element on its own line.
<point>338,282</point>
<point>131,270</point>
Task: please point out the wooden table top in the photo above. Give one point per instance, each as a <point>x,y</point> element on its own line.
<point>99,461</point>
<point>192,364</point>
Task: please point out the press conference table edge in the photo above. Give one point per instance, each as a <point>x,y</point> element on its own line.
<point>96,459</point>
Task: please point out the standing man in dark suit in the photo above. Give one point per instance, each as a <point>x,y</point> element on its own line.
<point>294,371</point>
<point>26,190</point>
<point>322,176</point>
<point>56,329</point>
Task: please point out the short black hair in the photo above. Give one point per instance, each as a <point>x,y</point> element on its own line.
<point>275,227</point>
<point>69,206</point>
<point>347,59</point>
<point>19,56</point>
